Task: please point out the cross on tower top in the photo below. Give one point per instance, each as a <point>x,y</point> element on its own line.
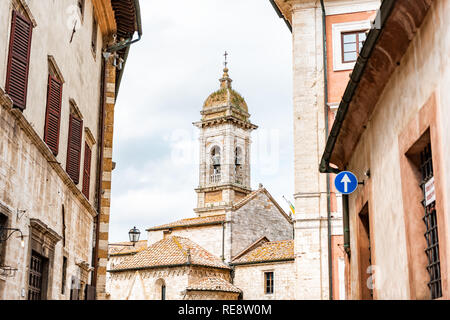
<point>226,62</point>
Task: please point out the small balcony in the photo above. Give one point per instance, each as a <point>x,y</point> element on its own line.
<point>215,178</point>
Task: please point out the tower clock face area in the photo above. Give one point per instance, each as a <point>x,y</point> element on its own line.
<point>225,146</point>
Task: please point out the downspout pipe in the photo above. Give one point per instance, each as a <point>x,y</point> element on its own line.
<point>101,134</point>
<point>325,75</point>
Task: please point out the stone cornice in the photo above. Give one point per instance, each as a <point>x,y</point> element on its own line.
<point>40,229</point>
<point>232,186</point>
<point>226,119</point>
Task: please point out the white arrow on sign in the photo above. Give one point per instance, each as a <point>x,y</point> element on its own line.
<point>345,180</point>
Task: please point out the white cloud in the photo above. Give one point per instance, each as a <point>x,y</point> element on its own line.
<point>169,74</point>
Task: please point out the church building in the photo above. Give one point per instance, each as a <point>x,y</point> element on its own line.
<point>236,229</point>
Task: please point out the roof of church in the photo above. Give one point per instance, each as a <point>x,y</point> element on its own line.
<point>169,252</point>
<point>225,95</point>
<point>124,248</point>
<point>213,284</point>
<point>266,251</point>
<point>252,195</point>
<point>198,221</point>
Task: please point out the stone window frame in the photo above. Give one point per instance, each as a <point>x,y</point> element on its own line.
<point>337,30</point>
<point>43,241</point>
<point>425,122</point>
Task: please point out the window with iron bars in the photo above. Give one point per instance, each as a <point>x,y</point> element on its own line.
<point>430,220</point>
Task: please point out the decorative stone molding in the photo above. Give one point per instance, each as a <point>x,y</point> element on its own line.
<point>43,234</point>
<point>74,109</point>
<point>54,69</point>
<point>89,137</point>
<point>23,7</point>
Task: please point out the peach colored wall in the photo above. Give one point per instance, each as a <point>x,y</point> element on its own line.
<point>337,80</point>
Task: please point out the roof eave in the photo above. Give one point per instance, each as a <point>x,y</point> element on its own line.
<point>366,67</point>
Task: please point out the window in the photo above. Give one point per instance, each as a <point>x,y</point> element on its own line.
<point>215,165</point>
<point>352,43</point>
<point>36,280</point>
<point>238,166</point>
<point>18,60</point>
<point>163,292</point>
<point>74,147</point>
<point>430,220</point>
<point>268,281</point>
<point>94,34</point>
<point>347,41</point>
<point>53,114</point>
<point>64,276</point>
<point>87,170</point>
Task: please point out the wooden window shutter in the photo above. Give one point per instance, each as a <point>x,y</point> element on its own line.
<point>87,170</point>
<point>53,114</point>
<point>74,148</point>
<point>18,60</point>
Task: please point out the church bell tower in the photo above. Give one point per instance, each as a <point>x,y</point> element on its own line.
<point>225,143</point>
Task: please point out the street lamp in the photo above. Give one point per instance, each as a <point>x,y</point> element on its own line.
<point>6,236</point>
<point>134,235</point>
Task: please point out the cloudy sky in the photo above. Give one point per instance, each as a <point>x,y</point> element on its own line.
<point>168,76</point>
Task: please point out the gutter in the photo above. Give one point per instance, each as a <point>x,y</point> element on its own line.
<point>355,77</point>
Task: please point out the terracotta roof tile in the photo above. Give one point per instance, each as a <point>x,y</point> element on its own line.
<point>213,284</point>
<point>268,251</point>
<point>171,251</point>
<point>117,249</point>
<point>191,222</point>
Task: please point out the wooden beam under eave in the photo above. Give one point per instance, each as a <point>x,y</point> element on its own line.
<point>105,17</point>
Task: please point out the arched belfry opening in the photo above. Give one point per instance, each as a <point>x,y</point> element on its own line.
<point>216,163</point>
<point>238,166</point>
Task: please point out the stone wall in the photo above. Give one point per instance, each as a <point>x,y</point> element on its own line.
<point>250,279</point>
<point>146,284</point>
<point>33,188</point>
<point>259,217</point>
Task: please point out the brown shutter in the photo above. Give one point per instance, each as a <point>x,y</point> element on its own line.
<point>74,148</point>
<point>87,170</point>
<point>53,114</point>
<point>19,60</point>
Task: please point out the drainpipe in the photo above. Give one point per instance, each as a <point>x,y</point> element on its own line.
<point>125,44</point>
<point>99,172</point>
<point>325,73</point>
<point>346,223</point>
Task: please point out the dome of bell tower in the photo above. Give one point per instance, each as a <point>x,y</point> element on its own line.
<point>225,96</point>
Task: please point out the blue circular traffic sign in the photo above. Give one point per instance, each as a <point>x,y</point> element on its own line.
<point>346,182</point>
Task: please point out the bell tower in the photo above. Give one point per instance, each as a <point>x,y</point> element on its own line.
<point>225,144</point>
